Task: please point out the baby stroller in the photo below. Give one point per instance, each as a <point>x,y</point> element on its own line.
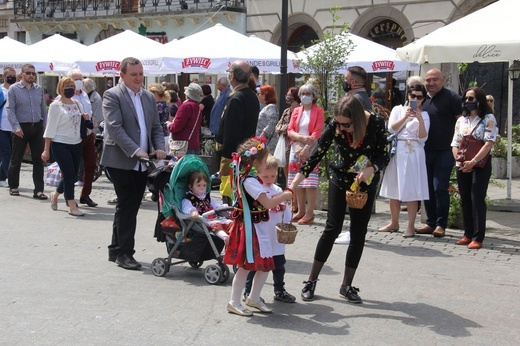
<point>189,239</point>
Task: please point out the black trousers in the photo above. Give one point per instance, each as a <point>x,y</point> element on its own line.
<point>68,157</point>
<point>473,190</point>
<point>278,275</point>
<point>129,186</point>
<point>32,135</point>
<point>359,219</point>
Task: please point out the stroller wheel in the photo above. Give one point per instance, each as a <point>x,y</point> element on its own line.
<point>160,267</point>
<point>225,273</point>
<point>213,274</point>
<point>196,265</point>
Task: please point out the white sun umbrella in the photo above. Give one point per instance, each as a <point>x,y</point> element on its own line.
<point>214,49</point>
<point>58,53</point>
<point>104,57</point>
<point>15,54</point>
<point>372,56</point>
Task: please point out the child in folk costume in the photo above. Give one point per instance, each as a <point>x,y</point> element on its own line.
<point>251,216</point>
<point>280,213</point>
<point>198,201</point>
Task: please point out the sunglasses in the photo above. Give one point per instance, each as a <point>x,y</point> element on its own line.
<point>30,73</point>
<point>490,101</point>
<point>413,96</point>
<point>469,98</point>
<point>345,125</point>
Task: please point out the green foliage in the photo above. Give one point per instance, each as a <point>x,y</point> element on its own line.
<point>464,81</point>
<point>323,62</point>
<point>500,148</point>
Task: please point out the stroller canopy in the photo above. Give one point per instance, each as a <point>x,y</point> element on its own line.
<point>175,191</point>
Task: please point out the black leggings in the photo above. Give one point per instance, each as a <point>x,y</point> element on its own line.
<point>359,219</point>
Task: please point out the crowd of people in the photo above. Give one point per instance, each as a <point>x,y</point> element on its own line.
<point>244,119</point>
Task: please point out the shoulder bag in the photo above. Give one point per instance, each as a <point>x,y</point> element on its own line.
<point>469,147</point>
<point>180,148</point>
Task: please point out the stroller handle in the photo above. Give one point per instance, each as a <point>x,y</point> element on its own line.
<point>149,161</point>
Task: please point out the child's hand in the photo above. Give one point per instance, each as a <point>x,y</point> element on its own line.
<point>195,214</point>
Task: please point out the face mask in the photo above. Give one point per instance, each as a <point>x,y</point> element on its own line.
<point>470,106</point>
<point>78,84</point>
<point>306,100</point>
<point>288,100</point>
<point>68,93</point>
<point>10,79</point>
<point>347,86</point>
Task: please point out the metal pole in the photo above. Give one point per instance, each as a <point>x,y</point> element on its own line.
<point>283,57</point>
<point>509,133</point>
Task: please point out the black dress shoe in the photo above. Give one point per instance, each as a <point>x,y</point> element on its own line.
<point>88,202</point>
<point>308,290</point>
<point>112,255</point>
<point>127,262</point>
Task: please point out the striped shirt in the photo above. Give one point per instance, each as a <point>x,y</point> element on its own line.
<point>25,105</point>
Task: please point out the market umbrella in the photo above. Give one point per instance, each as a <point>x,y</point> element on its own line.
<point>57,53</point>
<point>15,54</point>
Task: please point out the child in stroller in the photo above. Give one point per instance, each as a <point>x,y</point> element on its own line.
<point>198,203</point>
<point>187,238</point>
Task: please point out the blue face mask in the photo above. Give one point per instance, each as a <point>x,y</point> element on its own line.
<point>470,106</point>
<point>306,100</point>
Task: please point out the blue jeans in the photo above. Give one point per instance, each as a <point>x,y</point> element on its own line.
<point>5,153</point>
<point>68,157</point>
<point>439,165</point>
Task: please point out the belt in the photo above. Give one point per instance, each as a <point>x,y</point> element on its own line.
<point>32,124</point>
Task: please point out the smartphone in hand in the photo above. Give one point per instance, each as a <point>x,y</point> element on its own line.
<point>413,105</point>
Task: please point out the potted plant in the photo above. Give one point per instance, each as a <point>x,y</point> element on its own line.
<point>499,155</point>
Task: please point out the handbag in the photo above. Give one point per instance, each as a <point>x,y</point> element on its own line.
<point>279,151</point>
<point>180,147</point>
<point>83,128</point>
<point>393,138</point>
<point>469,147</point>
<point>53,175</point>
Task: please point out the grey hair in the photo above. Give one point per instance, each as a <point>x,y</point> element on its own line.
<point>414,80</point>
<point>309,88</point>
<point>224,81</point>
<point>73,72</point>
<point>240,75</point>
<point>89,84</point>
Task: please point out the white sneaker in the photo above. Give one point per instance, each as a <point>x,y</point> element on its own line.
<point>4,183</point>
<point>78,183</point>
<point>343,238</point>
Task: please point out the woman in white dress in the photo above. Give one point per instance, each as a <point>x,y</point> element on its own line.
<point>405,178</point>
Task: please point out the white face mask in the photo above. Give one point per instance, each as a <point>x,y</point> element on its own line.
<point>78,84</point>
<point>306,100</point>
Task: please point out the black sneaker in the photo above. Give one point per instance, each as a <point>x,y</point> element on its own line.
<point>308,290</point>
<point>350,293</point>
<point>284,296</point>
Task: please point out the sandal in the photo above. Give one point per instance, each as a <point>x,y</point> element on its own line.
<point>14,192</point>
<point>40,195</point>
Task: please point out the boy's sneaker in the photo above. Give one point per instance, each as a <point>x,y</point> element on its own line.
<point>4,183</point>
<point>246,295</point>
<point>284,296</point>
<point>350,293</point>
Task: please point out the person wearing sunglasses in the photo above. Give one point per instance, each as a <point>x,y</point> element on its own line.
<point>27,114</point>
<point>354,132</point>
<point>491,102</point>
<point>405,178</point>
<point>444,108</point>
<point>479,121</point>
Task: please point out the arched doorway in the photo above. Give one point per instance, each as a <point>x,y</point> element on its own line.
<point>301,36</point>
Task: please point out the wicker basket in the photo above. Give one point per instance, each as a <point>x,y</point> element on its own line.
<point>286,233</point>
<point>356,199</point>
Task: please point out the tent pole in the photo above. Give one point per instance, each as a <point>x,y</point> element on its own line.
<point>283,58</point>
<point>509,134</point>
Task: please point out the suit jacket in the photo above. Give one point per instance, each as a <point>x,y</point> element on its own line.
<point>239,119</point>
<point>122,132</point>
<point>315,122</point>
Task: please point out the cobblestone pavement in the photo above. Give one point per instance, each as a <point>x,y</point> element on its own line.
<point>57,287</point>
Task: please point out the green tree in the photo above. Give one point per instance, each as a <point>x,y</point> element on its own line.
<point>327,56</point>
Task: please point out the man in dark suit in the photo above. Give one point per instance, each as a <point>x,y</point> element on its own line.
<point>133,131</point>
<point>238,122</point>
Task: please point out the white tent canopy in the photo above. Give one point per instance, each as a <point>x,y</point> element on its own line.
<point>372,56</point>
<point>15,54</point>
<point>214,49</point>
<point>104,57</point>
<point>57,53</point>
<point>487,35</point>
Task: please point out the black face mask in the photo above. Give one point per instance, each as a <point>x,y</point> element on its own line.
<point>347,87</point>
<point>10,79</point>
<point>69,92</point>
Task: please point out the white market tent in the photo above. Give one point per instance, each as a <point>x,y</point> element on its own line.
<point>372,56</point>
<point>57,53</point>
<point>486,35</point>
<point>15,54</point>
<point>104,57</point>
<point>214,49</point>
